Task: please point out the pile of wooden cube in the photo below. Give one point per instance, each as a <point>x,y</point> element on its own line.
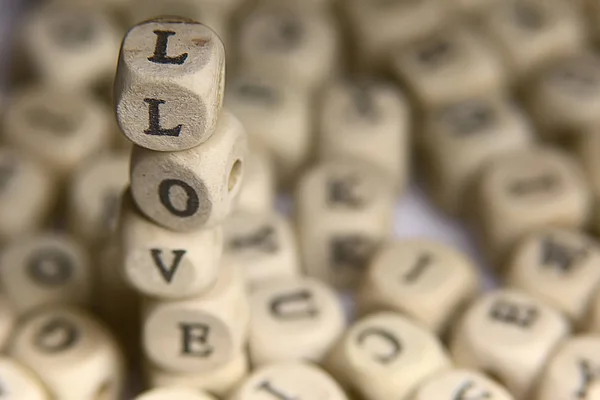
<point>198,200</point>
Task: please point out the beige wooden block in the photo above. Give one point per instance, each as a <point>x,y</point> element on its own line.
<point>585,150</point>
<point>219,381</point>
<point>266,109</point>
<point>425,280</point>
<point>43,269</point>
<point>560,268</point>
<point>74,355</point>
<point>448,65</point>
<point>564,99</point>
<point>385,355</point>
<point>294,45</point>
<point>572,370</point>
<point>192,189</point>
<point>289,380</point>
<point>70,46</point>
<point>94,197</point>
<point>163,264</point>
<point>378,27</point>
<point>460,138</point>
<point>531,33</point>
<point>461,384</point>
<point>527,190</point>
<point>27,193</point>
<point>169,84</point>
<point>199,334</point>
<point>59,129</point>
<point>19,383</point>
<point>264,245</point>
<point>509,335</point>
<point>343,211</point>
<point>258,187</point>
<point>8,320</point>
<point>367,120</point>
<point>302,311</point>
<point>174,394</point>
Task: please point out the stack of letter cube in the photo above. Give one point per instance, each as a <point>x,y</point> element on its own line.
<point>186,171</point>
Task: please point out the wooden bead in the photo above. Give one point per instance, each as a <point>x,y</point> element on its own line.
<point>193,189</point>
<point>70,46</point>
<point>425,280</point>
<point>289,380</point>
<point>378,27</point>
<point>199,334</point>
<point>527,190</point>
<point>509,335</point>
<point>257,194</point>
<point>385,355</point>
<point>27,193</point>
<point>343,211</point>
<point>266,109</point>
<point>460,384</point>
<point>164,264</point>
<point>174,394</point>
<point>449,65</point>
<point>73,354</point>
<point>219,381</point>
<point>302,311</point>
<point>264,245</point>
<point>292,44</point>
<point>558,267</point>
<point>94,197</point>
<point>531,33</point>
<point>19,383</point>
<point>351,109</point>
<point>572,371</point>
<point>460,138</point>
<point>169,84</point>
<point>45,268</point>
<point>8,320</point>
<point>59,129</point>
<point>564,99</point>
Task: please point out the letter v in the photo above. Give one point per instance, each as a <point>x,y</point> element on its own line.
<point>167,273</point>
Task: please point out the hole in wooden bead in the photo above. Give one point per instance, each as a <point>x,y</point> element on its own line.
<point>234,174</point>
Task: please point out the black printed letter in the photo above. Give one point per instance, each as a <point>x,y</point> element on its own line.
<point>160,51</point>
<point>198,333</point>
<point>294,305</point>
<point>154,128</point>
<point>167,273</point>
<point>192,203</point>
<point>395,346</point>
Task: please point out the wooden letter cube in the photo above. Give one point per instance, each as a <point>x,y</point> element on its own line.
<point>385,356</point>
<point>94,197</point>
<point>304,312</point>
<point>19,383</point>
<point>27,193</point>
<point>343,211</point>
<point>295,45</point>
<point>531,33</point>
<point>199,334</point>
<point>527,190</point>
<point>425,280</point>
<point>369,121</point>
<point>460,138</point>
<point>169,84</point>
<point>164,264</point>
<point>560,268</point>
<point>73,354</point>
<point>191,189</point>
<point>45,268</point>
<point>572,371</point>
<point>266,109</point>
<point>264,245</point>
<point>461,384</point>
<point>59,129</point>
<point>70,46</point>
<point>448,65</point>
<point>289,380</point>
<point>510,336</point>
